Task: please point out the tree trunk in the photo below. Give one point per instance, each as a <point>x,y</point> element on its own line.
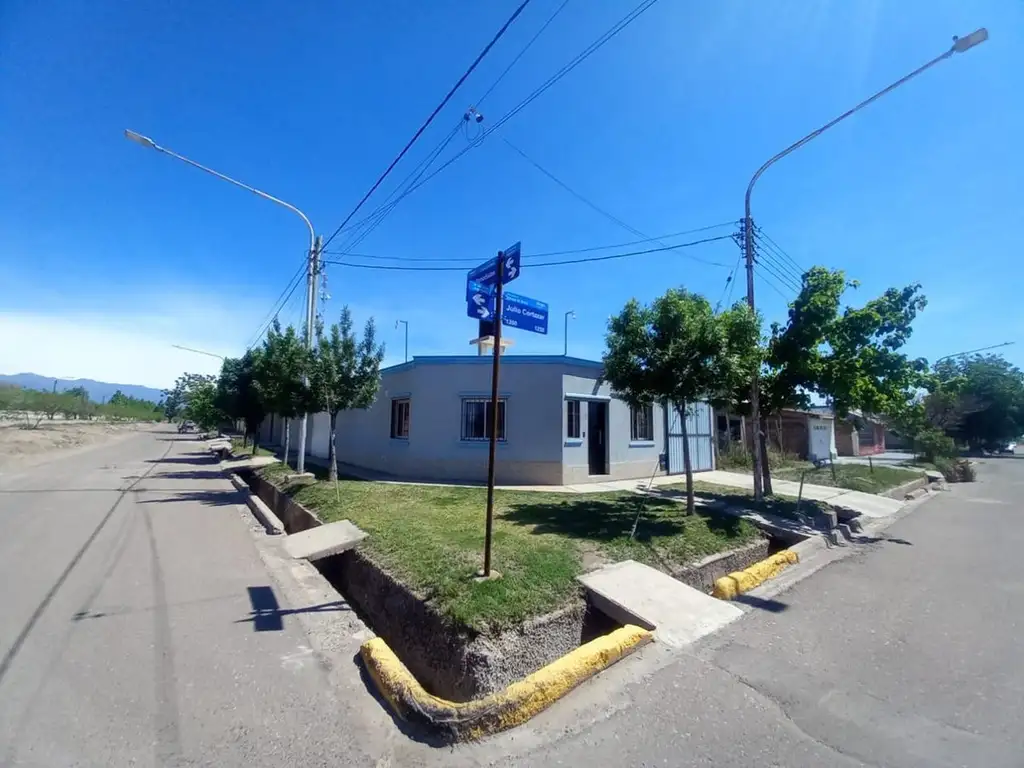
<point>332,451</point>
<point>287,439</point>
<point>766,471</point>
<point>687,466</point>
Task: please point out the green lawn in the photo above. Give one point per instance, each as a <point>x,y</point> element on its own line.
<point>431,538</point>
<point>779,504</point>
<point>239,450</point>
<point>856,477</point>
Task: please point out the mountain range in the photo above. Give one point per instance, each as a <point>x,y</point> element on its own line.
<point>99,391</point>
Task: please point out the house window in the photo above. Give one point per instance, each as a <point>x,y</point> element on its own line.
<point>477,418</point>
<point>400,419</point>
<point>641,423</point>
<point>572,419</point>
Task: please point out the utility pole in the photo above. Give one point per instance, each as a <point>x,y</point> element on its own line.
<point>960,45</point>
<point>493,445</point>
<point>406,324</point>
<point>312,270</point>
<point>571,314</point>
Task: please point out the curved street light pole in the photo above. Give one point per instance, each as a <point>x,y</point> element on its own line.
<point>311,269</point>
<point>960,45</point>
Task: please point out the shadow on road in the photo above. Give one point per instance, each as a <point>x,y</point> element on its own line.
<point>200,458</point>
<point>209,498</point>
<point>268,616</point>
<point>772,606</point>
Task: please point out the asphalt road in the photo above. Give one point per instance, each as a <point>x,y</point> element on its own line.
<point>128,634</point>
<point>907,653</point>
<point>146,622</point>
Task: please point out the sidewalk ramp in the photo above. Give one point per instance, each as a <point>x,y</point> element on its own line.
<point>633,593</point>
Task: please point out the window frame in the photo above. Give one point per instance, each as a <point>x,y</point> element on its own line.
<point>646,411</point>
<point>571,404</point>
<point>396,423</point>
<point>486,403</point>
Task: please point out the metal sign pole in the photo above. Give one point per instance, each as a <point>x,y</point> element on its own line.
<point>494,413</point>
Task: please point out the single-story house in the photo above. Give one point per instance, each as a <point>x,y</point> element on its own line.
<point>806,434</point>
<point>558,423</point>
<point>859,434</point>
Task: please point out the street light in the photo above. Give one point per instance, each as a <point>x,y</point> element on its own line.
<point>570,314</point>
<point>311,269</point>
<point>960,45</point>
<point>973,351</point>
<point>406,324</point>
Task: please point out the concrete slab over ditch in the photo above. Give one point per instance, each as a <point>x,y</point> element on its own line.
<point>324,540</point>
<point>633,593</point>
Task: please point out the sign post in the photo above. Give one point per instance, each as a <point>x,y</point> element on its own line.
<point>492,448</point>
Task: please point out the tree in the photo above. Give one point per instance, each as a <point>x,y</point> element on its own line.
<point>980,399</point>
<point>677,351</point>
<point>281,375</point>
<point>240,395</point>
<point>193,397</point>
<point>344,373</point>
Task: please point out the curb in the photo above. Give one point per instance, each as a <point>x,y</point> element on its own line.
<point>504,709</point>
<point>738,582</point>
<point>271,522</point>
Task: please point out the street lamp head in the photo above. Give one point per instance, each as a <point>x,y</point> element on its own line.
<point>977,37</point>
<point>571,313</point>
<point>138,138</point>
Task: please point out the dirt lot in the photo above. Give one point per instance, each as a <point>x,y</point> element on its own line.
<point>19,445</point>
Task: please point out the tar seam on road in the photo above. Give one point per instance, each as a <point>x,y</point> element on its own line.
<point>8,659</point>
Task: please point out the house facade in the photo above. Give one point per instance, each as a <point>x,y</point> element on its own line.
<point>558,424</point>
<point>806,434</point>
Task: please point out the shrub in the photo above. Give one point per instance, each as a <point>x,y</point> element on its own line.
<point>736,456</point>
<point>956,470</point>
<point>932,444</point>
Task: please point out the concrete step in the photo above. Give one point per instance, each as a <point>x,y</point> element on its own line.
<point>324,540</point>
<point>633,593</point>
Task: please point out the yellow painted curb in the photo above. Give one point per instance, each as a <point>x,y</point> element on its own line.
<point>505,709</point>
<point>738,582</point>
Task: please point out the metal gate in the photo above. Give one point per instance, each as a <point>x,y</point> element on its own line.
<point>699,427</point>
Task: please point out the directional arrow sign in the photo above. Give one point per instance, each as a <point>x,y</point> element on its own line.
<point>480,306</point>
<point>474,288</point>
<point>487,273</point>
<point>525,313</point>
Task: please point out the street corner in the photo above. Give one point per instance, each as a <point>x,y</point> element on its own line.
<point>739,582</point>
<point>471,720</point>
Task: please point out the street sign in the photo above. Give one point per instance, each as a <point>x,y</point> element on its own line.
<point>487,273</point>
<point>473,288</point>
<point>480,306</point>
<point>525,313</point>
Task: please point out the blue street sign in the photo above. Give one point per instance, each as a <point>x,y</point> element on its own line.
<point>480,306</point>
<point>523,312</point>
<point>473,288</point>
<point>487,273</point>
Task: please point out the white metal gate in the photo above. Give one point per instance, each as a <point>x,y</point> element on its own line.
<point>700,429</point>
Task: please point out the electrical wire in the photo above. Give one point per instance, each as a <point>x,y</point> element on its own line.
<point>777,249</point>
<point>390,267</point>
<point>771,284</point>
<point>498,35</point>
<point>590,204</point>
<point>614,30</point>
<point>767,266</point>
<point>770,257</point>
<point>730,281</point>
<point>289,288</point>
<point>476,260</point>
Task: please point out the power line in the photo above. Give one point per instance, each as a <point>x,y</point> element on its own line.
<point>769,267</point>
<point>389,267</point>
<point>430,119</point>
<point>475,260</point>
<point>289,288</point>
<point>778,249</point>
<point>614,30</point>
<point>730,281</point>
<point>786,271</point>
<point>771,284</point>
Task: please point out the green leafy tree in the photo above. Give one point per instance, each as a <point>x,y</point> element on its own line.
<point>677,351</point>
<point>240,395</point>
<point>284,365</point>
<point>980,400</point>
<point>344,373</point>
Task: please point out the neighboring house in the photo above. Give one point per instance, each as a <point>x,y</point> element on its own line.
<point>858,434</point>
<point>557,424</point>
<point>805,434</point>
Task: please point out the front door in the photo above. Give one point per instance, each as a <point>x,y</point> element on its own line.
<point>597,437</point>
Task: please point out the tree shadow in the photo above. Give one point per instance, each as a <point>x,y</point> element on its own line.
<point>197,458</point>
<point>599,519</point>
<point>772,505</point>
<point>217,498</point>
<point>195,474</point>
<point>772,606</point>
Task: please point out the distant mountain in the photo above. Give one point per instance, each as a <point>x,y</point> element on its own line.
<point>99,391</point>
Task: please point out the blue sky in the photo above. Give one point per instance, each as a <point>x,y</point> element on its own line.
<point>110,253</point>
